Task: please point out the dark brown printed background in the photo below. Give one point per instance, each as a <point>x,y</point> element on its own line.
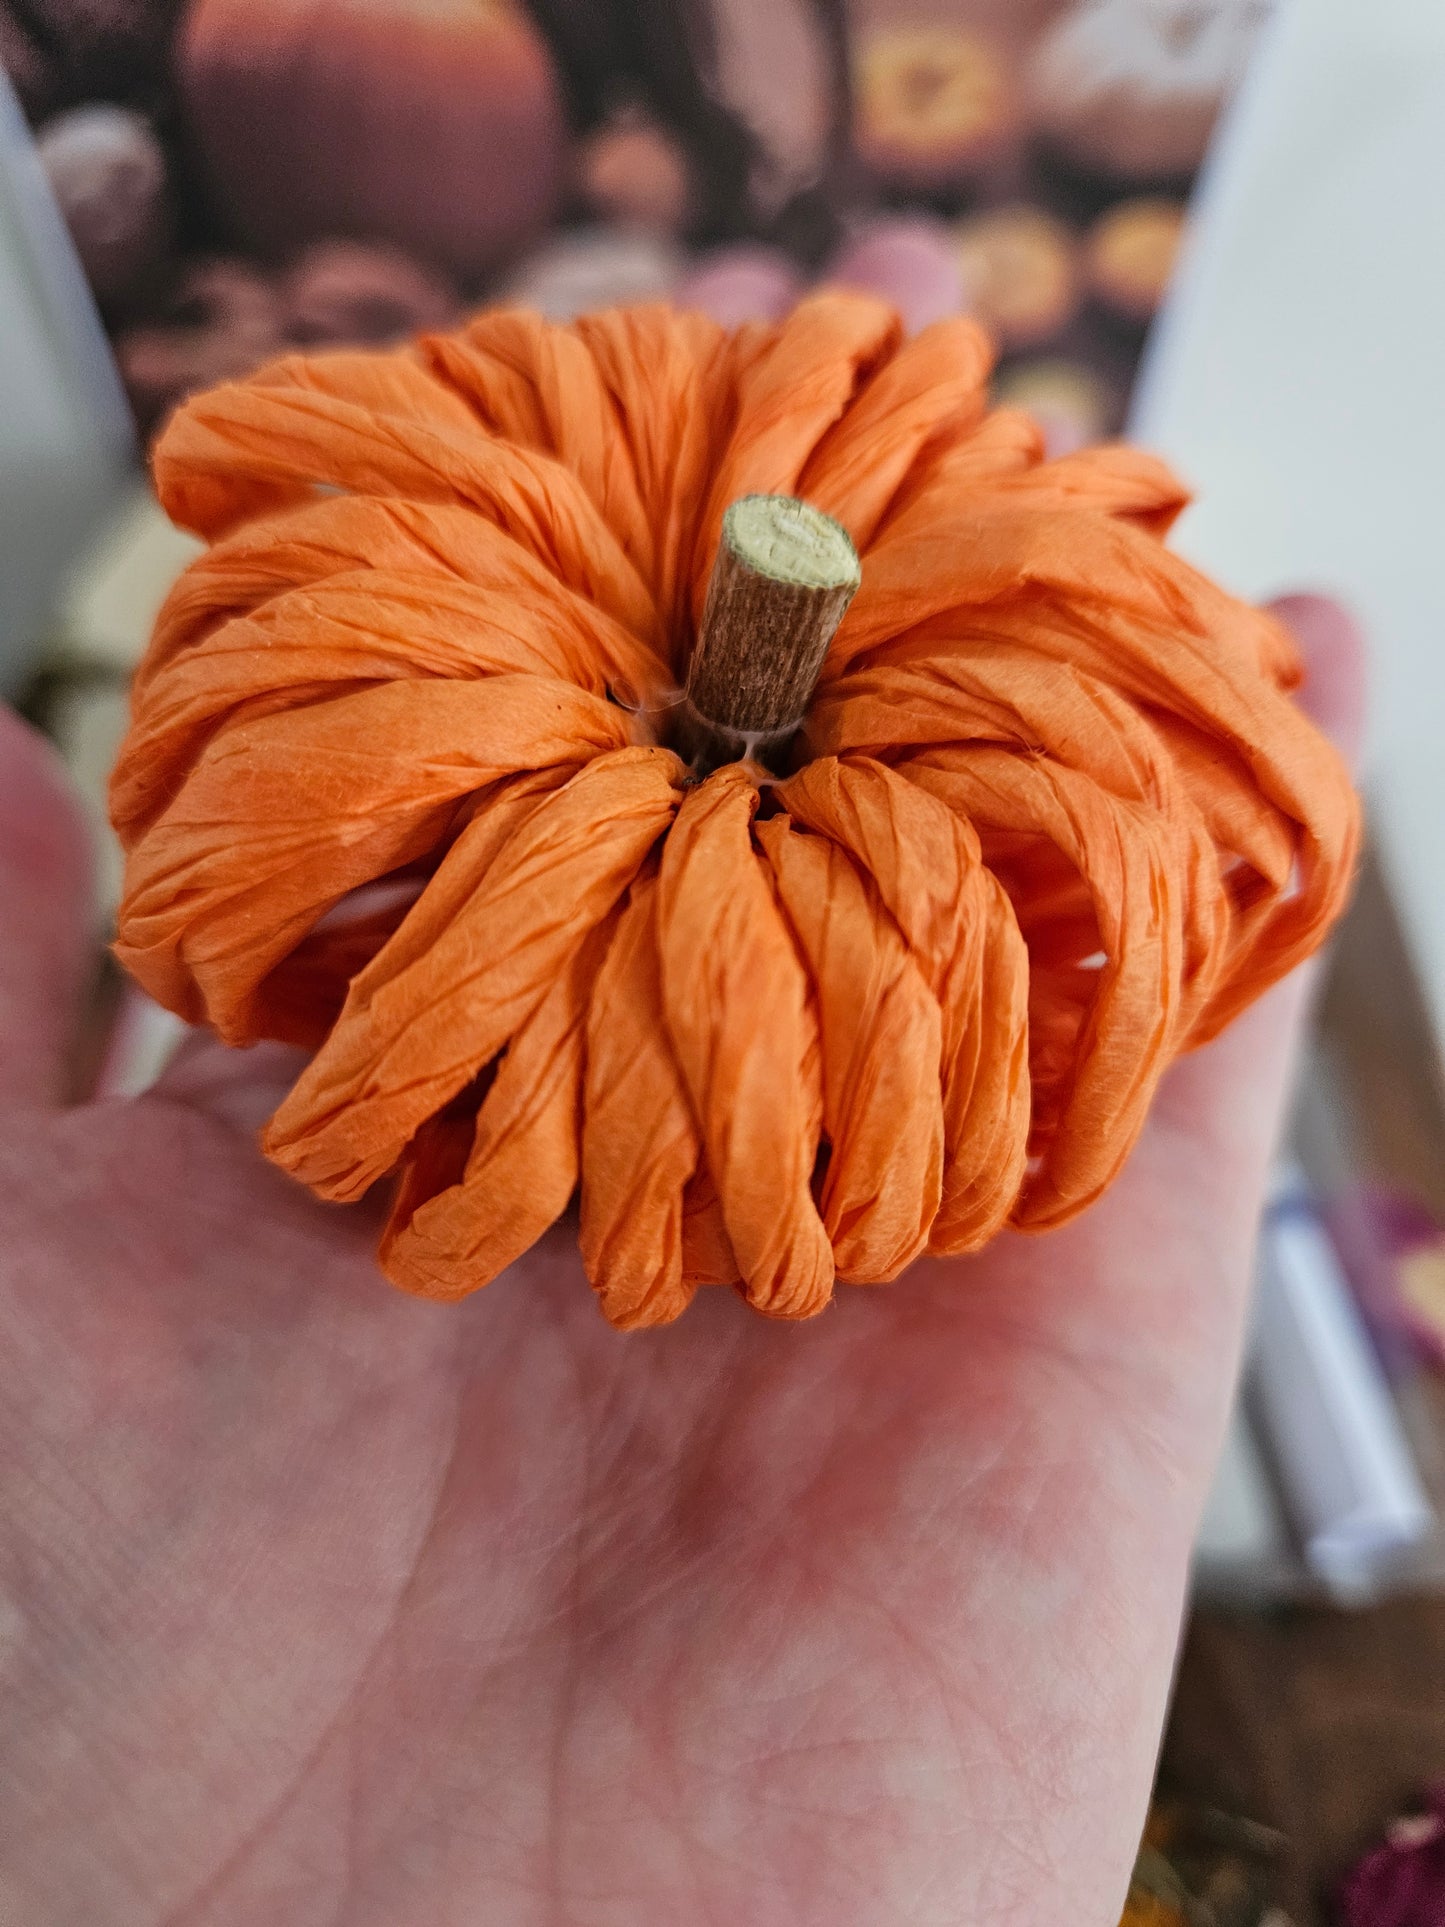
<point>241,176</point>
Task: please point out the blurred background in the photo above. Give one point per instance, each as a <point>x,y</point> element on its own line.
<point>1215,225</point>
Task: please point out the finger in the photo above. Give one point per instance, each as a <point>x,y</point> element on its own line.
<point>1222,1108</point>
<point>1190,1192</point>
<point>46,911</point>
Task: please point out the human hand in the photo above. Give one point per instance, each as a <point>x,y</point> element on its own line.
<point>321,1604</point>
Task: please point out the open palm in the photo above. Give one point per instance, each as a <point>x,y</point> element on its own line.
<point>321,1605</point>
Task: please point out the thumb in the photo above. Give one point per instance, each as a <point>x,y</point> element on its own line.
<point>46,933</point>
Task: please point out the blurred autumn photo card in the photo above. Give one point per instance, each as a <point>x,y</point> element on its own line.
<point>245,176</point>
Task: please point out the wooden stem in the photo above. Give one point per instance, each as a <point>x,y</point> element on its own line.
<point>784,575</point>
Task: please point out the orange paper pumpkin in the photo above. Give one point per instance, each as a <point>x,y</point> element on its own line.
<point>399,787</point>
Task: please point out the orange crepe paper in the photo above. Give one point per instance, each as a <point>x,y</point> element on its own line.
<point>399,788</point>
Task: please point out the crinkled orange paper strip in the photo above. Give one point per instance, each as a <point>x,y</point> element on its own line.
<point>398,789</point>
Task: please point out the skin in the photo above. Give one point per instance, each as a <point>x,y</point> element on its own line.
<point>319,1605</point>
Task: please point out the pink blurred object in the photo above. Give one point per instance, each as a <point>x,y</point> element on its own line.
<point>911,261</point>
<point>742,283</point>
<point>601,267</point>
<point>770,63</point>
<point>1393,1253</point>
<point>1402,1883</point>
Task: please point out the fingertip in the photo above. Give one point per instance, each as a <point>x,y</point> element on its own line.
<point>1332,642</point>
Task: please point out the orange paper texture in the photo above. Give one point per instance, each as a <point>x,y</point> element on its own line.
<point>398,788</point>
